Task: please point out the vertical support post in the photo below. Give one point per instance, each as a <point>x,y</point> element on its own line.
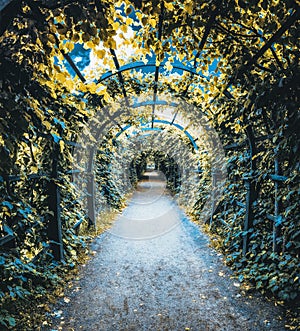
<point>54,225</point>
<point>248,221</point>
<point>213,202</point>
<point>91,190</point>
<point>251,194</point>
<point>277,205</point>
<point>91,200</point>
<point>11,243</point>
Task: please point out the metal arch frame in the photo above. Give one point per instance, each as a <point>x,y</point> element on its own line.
<point>157,67</point>
<point>178,126</point>
<point>119,71</point>
<point>253,60</point>
<point>157,102</point>
<point>140,65</point>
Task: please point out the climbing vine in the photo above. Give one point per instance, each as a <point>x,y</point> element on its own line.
<point>243,75</point>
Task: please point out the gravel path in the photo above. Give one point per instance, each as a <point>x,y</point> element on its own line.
<point>155,271</point>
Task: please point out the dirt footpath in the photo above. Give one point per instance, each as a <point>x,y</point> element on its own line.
<point>155,271</point>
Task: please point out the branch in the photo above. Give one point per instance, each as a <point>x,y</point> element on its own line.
<point>233,35</point>
<point>290,21</point>
<point>70,61</point>
<point>264,39</point>
<point>120,76</point>
<point>7,15</point>
<point>237,34</point>
<point>207,29</point>
<point>56,6</point>
<point>159,35</point>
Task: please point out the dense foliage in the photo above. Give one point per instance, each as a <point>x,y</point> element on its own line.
<point>248,50</point>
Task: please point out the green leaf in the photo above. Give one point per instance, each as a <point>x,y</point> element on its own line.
<point>8,230</point>
<point>7,204</point>
<point>56,138</point>
<point>2,260</point>
<point>241,278</point>
<point>11,321</point>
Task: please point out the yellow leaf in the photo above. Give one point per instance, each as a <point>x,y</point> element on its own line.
<point>34,169</point>
<point>70,84</point>
<point>61,146</point>
<point>169,5</point>
<point>60,56</point>
<point>107,97</point>
<point>47,125</point>
<point>237,128</point>
<point>124,28</point>
<point>40,67</point>
<point>82,87</point>
<point>92,87</point>
<point>82,104</point>
<point>69,46</point>
<point>152,22</point>
<point>168,66</point>
<point>100,53</point>
<point>116,25</point>
<point>181,57</point>
<point>59,18</point>
<point>129,21</point>
<point>189,8</point>
<point>90,44</point>
<point>111,43</point>
<point>61,77</point>
<point>139,15</point>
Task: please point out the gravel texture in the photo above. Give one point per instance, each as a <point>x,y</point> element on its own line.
<point>155,270</point>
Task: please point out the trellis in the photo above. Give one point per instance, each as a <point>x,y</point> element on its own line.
<point>55,227</point>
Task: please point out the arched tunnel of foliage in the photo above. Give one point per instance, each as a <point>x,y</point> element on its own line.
<point>243,75</point>
<point>170,168</point>
<point>156,161</point>
<point>138,166</point>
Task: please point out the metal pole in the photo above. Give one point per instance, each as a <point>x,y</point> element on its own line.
<point>248,221</point>
<point>276,223</point>
<point>54,225</point>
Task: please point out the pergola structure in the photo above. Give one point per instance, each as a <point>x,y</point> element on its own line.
<point>252,59</point>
